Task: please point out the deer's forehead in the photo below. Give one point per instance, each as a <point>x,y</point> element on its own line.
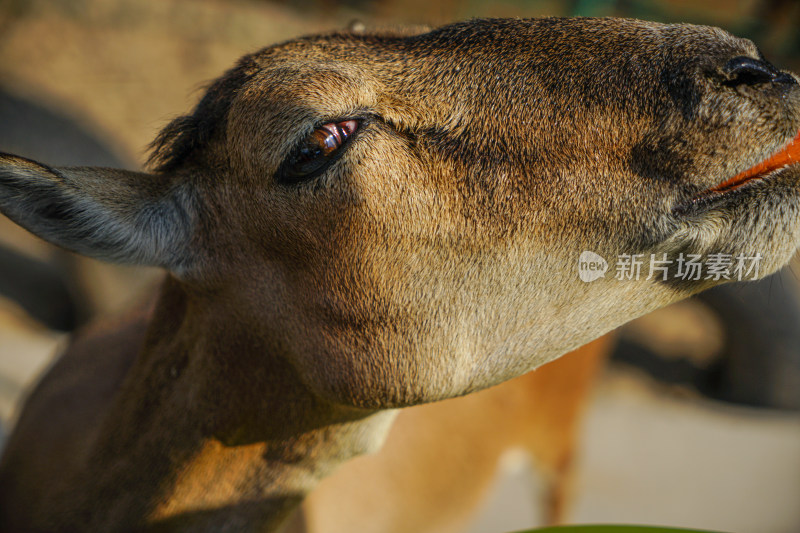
<point>485,67</point>
<point>551,80</point>
<point>516,47</point>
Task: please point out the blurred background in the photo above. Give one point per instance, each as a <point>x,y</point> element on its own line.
<point>696,420</point>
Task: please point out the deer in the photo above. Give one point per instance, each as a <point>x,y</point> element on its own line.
<point>353,223</point>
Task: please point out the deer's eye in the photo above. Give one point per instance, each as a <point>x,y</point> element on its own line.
<point>317,151</point>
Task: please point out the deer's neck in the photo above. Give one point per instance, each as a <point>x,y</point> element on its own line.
<point>210,428</point>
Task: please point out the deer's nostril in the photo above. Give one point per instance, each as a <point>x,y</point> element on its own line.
<point>748,71</point>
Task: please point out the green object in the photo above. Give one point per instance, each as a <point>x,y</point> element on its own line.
<point>614,529</point>
<point>594,8</point>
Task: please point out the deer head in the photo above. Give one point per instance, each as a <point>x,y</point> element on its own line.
<point>403,214</point>
<point>399,217</point>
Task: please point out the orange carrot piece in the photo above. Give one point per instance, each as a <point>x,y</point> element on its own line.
<point>788,155</point>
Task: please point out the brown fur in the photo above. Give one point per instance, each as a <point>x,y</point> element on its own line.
<point>434,258</point>
<point>440,459</point>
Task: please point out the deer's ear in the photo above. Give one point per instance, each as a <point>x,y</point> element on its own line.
<point>114,215</point>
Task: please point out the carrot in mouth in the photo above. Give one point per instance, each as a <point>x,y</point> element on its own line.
<point>788,155</point>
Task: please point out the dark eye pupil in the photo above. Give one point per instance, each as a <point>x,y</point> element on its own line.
<point>318,150</point>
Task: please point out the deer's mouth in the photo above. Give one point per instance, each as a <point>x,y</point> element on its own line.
<point>789,155</point>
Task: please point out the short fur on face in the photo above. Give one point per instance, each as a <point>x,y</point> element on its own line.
<point>438,254</point>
